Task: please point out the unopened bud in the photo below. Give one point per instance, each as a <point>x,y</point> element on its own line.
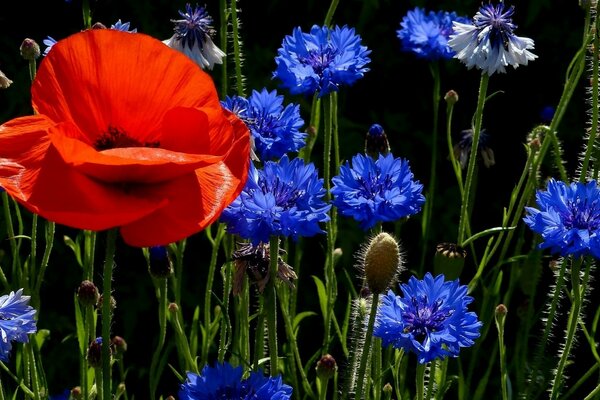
<point>449,260</point>
<point>451,97</point>
<point>160,262</point>
<point>326,367</point>
<point>381,262</point>
<point>87,293</point>
<point>30,50</point>
<point>76,393</point>
<point>119,344</point>
<point>4,81</point>
<point>173,307</point>
<point>94,353</point>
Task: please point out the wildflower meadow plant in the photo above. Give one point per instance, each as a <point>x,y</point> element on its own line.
<point>296,201</point>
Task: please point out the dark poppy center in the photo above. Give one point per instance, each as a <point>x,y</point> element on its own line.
<point>115,138</point>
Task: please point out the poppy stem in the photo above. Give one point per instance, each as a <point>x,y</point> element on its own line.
<point>111,238</point>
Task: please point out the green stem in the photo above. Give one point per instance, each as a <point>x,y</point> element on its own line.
<point>182,341</point>
<point>271,304</point>
<point>33,368</point>
<point>420,381</point>
<point>571,328</point>
<point>111,238</point>
<point>466,198</point>
<point>593,394</point>
<point>502,355</point>
<point>590,148</point>
<point>366,351</point>
<point>432,367</point>
<point>161,292</point>
<point>20,382</point>
<point>89,243</point>
<point>14,247</point>
<point>225,335</point>
<point>428,208</point>
<point>216,243</point>
<point>87,14</point>
<point>293,343</point>
<point>236,49</point>
<point>49,237</point>
<point>330,12</point>
<point>313,128</point>
<point>223,41</point>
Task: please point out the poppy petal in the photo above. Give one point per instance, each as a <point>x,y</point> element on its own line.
<point>105,78</point>
<point>127,164</point>
<point>33,172</point>
<point>208,192</point>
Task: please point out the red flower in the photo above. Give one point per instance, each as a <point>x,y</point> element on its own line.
<point>129,134</point>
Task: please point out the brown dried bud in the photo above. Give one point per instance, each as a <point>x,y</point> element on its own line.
<point>87,293</point>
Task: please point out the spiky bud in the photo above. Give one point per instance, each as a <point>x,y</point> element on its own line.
<point>381,262</point>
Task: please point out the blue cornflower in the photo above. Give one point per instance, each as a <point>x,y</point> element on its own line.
<point>193,37</point>
<point>489,43</point>
<point>321,61</point>
<point>223,381</point>
<point>429,319</point>
<point>117,26</point>
<point>372,191</point>
<point>275,129</point>
<point>568,218</point>
<point>16,321</point>
<point>123,27</point>
<point>282,199</point>
<point>426,34</point>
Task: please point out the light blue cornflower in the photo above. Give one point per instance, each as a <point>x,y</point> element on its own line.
<point>275,128</point>
<point>568,218</point>
<point>285,198</point>
<point>17,320</point>
<point>489,42</point>
<point>427,34</point>
<point>321,61</point>
<point>381,190</point>
<point>430,318</point>
<point>193,37</point>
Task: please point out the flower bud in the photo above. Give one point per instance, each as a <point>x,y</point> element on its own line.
<point>98,25</point>
<point>4,81</point>
<point>160,263</point>
<point>94,353</point>
<point>30,50</point>
<point>76,393</point>
<point>381,262</point>
<point>173,308</point>
<point>326,367</point>
<point>376,142</point>
<point>87,293</point>
<point>449,260</point>
<point>113,303</point>
<point>451,97</point>
<point>500,313</point>
<point>119,344</point>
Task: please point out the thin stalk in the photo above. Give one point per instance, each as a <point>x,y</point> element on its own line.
<point>215,244</point>
<point>420,381</point>
<point>20,382</point>
<point>33,368</point>
<point>14,247</point>
<point>89,245</point>
<point>237,52</point>
<point>293,343</point>
<point>428,208</point>
<point>500,318</point>
<point>313,128</point>
<point>466,198</point>
<point>271,304</point>
<point>590,148</point>
<point>366,351</point>
<point>49,238</point>
<point>432,366</point>
<point>223,40</point>
<point>161,292</point>
<point>183,344</point>
<point>111,238</point>
<point>571,328</point>
<point>330,12</point>
<point>225,335</point>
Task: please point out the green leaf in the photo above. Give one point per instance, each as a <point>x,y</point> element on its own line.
<point>322,295</point>
<point>299,317</point>
<point>80,327</point>
<point>75,246</point>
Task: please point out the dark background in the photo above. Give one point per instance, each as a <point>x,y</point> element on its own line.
<point>396,93</point>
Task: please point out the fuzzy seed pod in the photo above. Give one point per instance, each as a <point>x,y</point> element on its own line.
<point>381,262</point>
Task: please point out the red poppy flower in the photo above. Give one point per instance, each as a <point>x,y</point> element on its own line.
<point>128,133</point>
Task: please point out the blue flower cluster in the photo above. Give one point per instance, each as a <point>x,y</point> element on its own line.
<point>321,61</point>
<point>430,319</point>
<point>427,34</point>
<point>17,320</point>
<point>282,199</point>
<point>372,191</point>
<point>223,381</point>
<point>567,218</point>
<point>275,128</point>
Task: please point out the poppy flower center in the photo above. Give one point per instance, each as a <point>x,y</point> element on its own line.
<point>423,318</point>
<point>115,138</point>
